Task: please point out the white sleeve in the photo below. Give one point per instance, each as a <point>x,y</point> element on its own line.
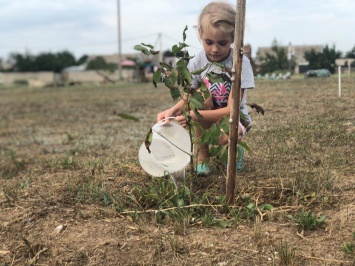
<point>247,81</point>
<point>193,65</point>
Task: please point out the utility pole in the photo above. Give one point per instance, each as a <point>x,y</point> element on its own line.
<point>289,57</point>
<point>119,40</point>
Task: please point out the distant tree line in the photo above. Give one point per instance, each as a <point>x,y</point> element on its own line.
<point>55,62</point>
<point>324,59</point>
<point>276,59</point>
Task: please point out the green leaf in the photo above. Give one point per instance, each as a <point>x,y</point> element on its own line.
<point>218,64</point>
<point>175,93</point>
<point>181,64</point>
<point>148,45</point>
<point>197,113</point>
<point>128,117</point>
<point>195,103</point>
<point>225,125</point>
<point>205,136</point>
<point>187,75</point>
<point>215,77</point>
<point>184,33</point>
<point>183,45</point>
<point>198,97</point>
<point>222,223</point>
<point>215,132</point>
<point>251,206</point>
<point>148,140</point>
<point>206,92</point>
<point>167,66</point>
<point>170,81</point>
<point>266,207</point>
<point>180,202</point>
<point>142,49</point>
<point>175,49</point>
<point>321,219</point>
<point>199,71</point>
<point>244,145</point>
<point>223,153</point>
<point>157,76</point>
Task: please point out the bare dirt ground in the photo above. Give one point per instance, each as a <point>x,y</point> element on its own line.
<point>68,165</point>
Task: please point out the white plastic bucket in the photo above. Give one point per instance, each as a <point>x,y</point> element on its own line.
<point>170,149</point>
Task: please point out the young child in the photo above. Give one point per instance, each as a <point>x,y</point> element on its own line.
<point>216,25</point>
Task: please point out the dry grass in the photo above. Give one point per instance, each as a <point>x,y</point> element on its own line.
<point>67,158</point>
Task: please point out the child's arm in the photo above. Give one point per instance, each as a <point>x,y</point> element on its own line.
<point>171,112</point>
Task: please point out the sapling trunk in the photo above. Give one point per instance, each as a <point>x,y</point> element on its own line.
<point>235,103</point>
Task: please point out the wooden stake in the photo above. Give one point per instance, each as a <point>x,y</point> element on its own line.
<point>235,103</point>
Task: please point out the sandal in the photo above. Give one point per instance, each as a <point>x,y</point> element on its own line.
<point>203,169</point>
<point>240,158</point>
<point>239,163</point>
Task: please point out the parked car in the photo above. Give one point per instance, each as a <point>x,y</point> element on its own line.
<point>317,73</point>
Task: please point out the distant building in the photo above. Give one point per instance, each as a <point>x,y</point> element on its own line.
<point>5,65</point>
<point>113,58</point>
<point>297,51</point>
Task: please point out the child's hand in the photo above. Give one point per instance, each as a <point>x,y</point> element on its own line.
<point>165,114</point>
<point>181,120</point>
<point>241,131</point>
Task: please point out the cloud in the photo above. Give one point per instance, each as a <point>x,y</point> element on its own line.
<point>91,26</point>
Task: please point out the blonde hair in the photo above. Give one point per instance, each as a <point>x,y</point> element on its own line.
<point>217,15</point>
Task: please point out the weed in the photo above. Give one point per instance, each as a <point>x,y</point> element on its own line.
<point>349,248</point>
<point>13,191</point>
<point>70,137</point>
<point>52,164</point>
<point>95,166</point>
<point>69,163</point>
<point>10,164</point>
<point>307,220</point>
<point>287,255</point>
<point>26,184</point>
<point>175,244</point>
<point>86,190</point>
<point>160,193</point>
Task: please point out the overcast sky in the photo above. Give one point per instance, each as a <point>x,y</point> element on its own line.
<point>90,26</point>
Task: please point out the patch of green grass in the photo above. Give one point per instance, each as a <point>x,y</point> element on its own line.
<point>178,207</point>
<point>85,189</point>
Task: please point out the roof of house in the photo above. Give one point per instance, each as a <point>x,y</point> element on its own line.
<point>344,61</point>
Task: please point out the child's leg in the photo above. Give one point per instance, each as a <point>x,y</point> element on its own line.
<point>203,153</point>
<point>223,140</point>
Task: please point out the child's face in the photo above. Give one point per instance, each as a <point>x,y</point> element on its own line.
<point>216,44</point>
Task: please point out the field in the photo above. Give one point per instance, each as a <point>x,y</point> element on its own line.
<point>73,192</point>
